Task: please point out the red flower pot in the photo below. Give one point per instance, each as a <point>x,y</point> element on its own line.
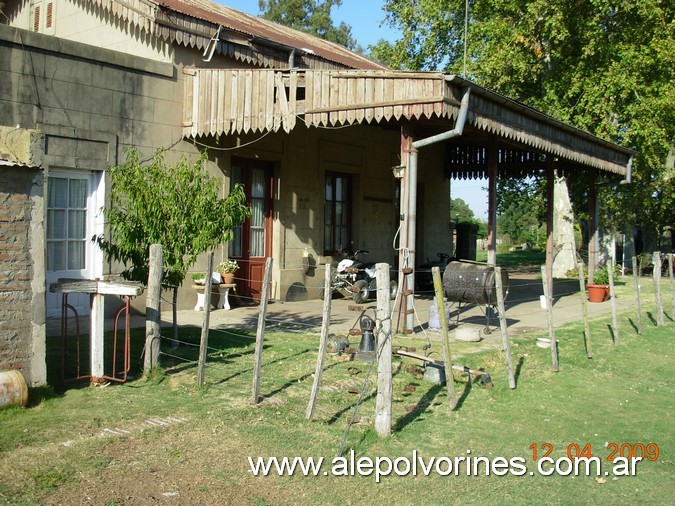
<point>598,293</point>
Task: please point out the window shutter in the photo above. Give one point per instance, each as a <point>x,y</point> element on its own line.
<point>48,19</point>
<point>36,19</point>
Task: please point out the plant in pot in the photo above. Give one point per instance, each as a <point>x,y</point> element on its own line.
<point>199,278</point>
<point>227,268</point>
<point>598,290</point>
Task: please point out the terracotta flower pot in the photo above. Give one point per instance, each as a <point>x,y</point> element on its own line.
<point>228,277</point>
<point>598,293</point>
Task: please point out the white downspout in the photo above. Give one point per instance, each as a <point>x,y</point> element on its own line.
<point>412,184</point>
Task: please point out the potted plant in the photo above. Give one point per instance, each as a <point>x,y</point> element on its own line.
<point>598,290</point>
<point>227,268</point>
<point>199,278</point>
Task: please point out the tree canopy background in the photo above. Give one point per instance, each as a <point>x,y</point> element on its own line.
<point>605,66</point>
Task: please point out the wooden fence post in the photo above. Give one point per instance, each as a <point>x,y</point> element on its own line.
<point>260,335</point>
<point>447,356</point>
<point>584,308</point>
<point>657,288</point>
<point>549,318</point>
<point>670,275</point>
<point>615,322</point>
<point>327,292</point>
<point>502,325</point>
<point>204,341</point>
<point>636,281</point>
<point>383,403</point>
<point>153,331</point>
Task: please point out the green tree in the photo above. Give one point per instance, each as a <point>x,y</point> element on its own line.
<point>310,16</point>
<point>521,210</point>
<point>175,205</point>
<point>460,212</point>
<point>606,66</point>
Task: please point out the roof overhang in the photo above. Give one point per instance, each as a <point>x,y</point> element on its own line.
<point>234,101</point>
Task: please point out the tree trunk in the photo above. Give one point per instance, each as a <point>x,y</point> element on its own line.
<point>174,340</point>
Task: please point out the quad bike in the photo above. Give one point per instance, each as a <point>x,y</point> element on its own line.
<point>351,277</point>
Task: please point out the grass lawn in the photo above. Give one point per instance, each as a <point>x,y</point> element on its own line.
<point>163,439</point>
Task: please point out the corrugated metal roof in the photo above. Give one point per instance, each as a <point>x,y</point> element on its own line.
<point>260,30</point>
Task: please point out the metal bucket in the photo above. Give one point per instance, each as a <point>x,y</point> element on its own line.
<point>13,389</point>
<point>470,282</point>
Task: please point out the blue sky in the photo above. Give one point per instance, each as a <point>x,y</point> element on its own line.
<point>364,16</point>
<point>367,21</point>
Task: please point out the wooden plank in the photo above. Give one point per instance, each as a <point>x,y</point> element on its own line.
<point>277,102</point>
<point>292,99</point>
<point>350,98</point>
<point>584,309</point>
<point>615,322</point>
<point>384,400</point>
<point>656,260</point>
<point>309,97</point>
<point>445,340</point>
<point>379,99</point>
<point>269,101</point>
<point>321,356</point>
<point>334,99</point>
<point>234,97</point>
<point>255,100</point>
<point>220,113</point>
<point>549,318</point>
<point>241,99</point>
<point>373,103</point>
<point>316,99</point>
<point>506,345</point>
<point>342,90</point>
<point>153,331</point>
<point>325,94</point>
<point>204,339</point>
<point>369,99</point>
<point>260,334</point>
<point>388,97</point>
<point>282,102</point>
<point>636,281</point>
<point>248,98</point>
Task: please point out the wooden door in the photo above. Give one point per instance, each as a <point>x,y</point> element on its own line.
<point>252,242</point>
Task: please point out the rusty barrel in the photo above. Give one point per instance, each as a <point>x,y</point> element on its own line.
<point>471,282</point>
<point>13,389</point>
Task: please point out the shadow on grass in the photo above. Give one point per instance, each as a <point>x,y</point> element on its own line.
<point>250,369</point>
<point>465,394</point>
<point>611,333</point>
<point>418,408</point>
<point>295,381</point>
<point>519,368</point>
<point>632,324</point>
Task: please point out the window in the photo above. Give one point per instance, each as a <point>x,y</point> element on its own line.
<point>66,223</point>
<point>337,213</point>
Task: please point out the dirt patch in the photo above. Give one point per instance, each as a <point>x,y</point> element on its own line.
<point>180,465</point>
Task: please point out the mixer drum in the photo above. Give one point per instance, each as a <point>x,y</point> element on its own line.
<point>470,282</point>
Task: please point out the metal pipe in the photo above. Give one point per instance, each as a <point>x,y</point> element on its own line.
<point>459,124</point>
<point>412,184</point>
